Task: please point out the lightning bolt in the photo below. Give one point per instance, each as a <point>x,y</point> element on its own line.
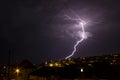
<point>82,35</point>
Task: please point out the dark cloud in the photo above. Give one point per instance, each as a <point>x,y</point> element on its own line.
<point>38,30</point>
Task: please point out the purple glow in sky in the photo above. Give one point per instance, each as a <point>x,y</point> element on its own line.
<point>82,34</point>
<point>43,30</point>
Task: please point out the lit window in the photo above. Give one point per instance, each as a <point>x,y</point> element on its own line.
<point>81,69</point>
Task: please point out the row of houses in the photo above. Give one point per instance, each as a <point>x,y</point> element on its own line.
<point>70,69</point>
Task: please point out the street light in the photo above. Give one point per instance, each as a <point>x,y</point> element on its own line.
<point>51,65</point>
<point>17,71</point>
<point>81,70</point>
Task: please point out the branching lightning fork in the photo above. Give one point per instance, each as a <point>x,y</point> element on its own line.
<point>82,35</point>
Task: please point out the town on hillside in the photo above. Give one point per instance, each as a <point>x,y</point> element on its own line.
<point>105,67</point>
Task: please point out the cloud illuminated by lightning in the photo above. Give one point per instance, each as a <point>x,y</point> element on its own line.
<point>82,35</point>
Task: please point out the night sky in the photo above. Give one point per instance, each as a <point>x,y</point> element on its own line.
<point>38,30</point>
